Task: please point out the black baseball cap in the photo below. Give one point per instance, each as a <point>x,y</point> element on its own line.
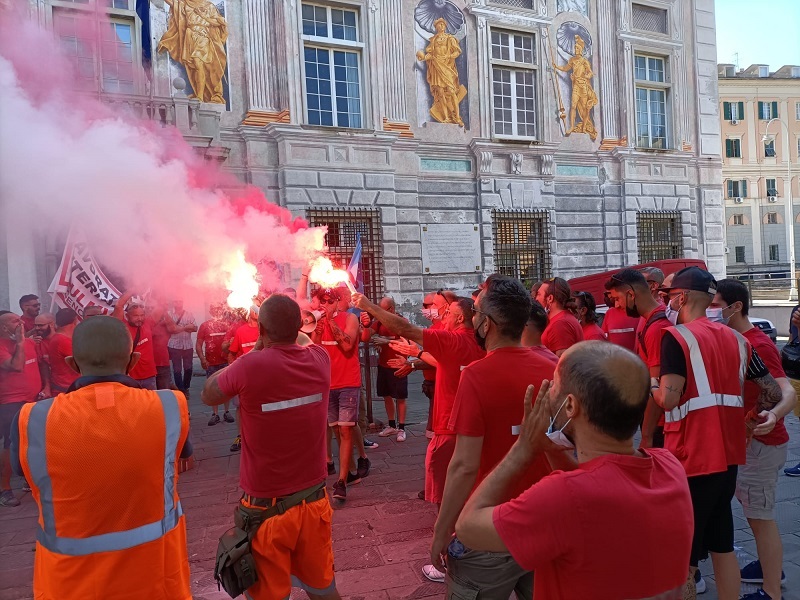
<point>695,279</point>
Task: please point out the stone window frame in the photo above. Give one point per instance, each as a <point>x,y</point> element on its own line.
<point>666,86</point>
<point>732,139</point>
<point>774,253</point>
<point>518,21</point>
<point>366,80</point>
<point>736,254</point>
<point>515,66</point>
<point>100,13</point>
<point>772,218</point>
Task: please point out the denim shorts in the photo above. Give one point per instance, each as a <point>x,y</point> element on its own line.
<point>343,406</point>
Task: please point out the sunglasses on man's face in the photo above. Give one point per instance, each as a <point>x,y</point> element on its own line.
<point>329,301</point>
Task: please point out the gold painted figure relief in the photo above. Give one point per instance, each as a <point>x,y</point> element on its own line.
<point>442,76</point>
<point>578,92</point>
<point>195,37</point>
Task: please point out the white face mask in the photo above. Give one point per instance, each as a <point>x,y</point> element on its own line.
<point>715,315</point>
<point>671,314</point>
<point>558,437</point>
<point>430,313</point>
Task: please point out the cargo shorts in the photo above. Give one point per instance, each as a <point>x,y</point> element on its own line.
<point>758,479</point>
<point>472,574</point>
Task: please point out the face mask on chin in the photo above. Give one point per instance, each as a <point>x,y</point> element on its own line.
<point>480,339</point>
<point>632,311</point>
<point>557,436</point>
<point>672,313</point>
<point>430,313</point>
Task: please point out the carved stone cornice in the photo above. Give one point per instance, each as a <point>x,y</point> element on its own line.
<point>510,16</point>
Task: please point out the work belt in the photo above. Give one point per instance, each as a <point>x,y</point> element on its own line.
<point>269,507</point>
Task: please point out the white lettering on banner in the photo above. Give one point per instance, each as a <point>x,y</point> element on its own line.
<point>293,403</point>
<point>79,282</point>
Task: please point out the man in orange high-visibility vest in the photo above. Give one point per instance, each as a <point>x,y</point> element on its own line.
<point>101,460</point>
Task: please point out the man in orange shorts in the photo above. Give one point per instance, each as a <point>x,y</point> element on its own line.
<point>283,387</point>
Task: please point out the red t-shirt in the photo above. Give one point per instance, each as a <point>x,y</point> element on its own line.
<point>28,322</point>
<point>650,353</point>
<point>453,350</point>
<point>345,366</point>
<point>385,353</point>
<point>58,348</point>
<point>591,331</point>
<point>430,374</point>
<point>772,360</point>
<point>160,338</point>
<point>210,336</point>
<point>620,329</point>
<point>146,367</point>
<point>244,340</point>
<point>616,527</point>
<point>496,416</point>
<point>24,386</point>
<point>282,390</point>
<point>562,331</point>
<point>546,353</point>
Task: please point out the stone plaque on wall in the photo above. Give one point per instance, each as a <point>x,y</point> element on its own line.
<point>450,248</point>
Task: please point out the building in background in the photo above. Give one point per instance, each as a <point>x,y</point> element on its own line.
<point>456,138</point>
<point>756,185</point>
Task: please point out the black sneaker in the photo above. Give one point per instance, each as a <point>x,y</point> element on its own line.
<point>331,469</point>
<point>340,490</point>
<point>237,444</point>
<point>353,478</point>
<point>752,573</point>
<point>213,420</point>
<point>363,467</point>
<point>228,417</point>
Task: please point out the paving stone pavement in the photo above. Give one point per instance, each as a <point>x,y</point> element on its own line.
<point>381,533</point>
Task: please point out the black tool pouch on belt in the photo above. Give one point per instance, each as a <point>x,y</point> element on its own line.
<point>235,570</point>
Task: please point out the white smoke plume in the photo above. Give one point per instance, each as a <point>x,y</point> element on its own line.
<point>153,212</point>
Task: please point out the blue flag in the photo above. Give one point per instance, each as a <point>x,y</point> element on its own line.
<point>354,268</point>
<point>143,10</point>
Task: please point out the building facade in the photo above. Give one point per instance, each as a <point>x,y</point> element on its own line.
<point>760,115</point>
<point>455,138</point>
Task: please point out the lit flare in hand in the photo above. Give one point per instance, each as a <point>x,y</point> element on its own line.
<point>241,281</point>
<point>323,273</point>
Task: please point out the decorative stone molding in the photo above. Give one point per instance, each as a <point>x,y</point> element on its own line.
<point>611,143</point>
<point>392,62</point>
<point>260,118</point>
<point>516,163</point>
<point>546,166</point>
<point>485,161</point>
<point>404,129</point>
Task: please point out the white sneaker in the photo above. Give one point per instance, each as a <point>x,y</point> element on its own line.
<point>433,573</point>
<point>401,435</point>
<point>699,583</point>
<point>387,431</point>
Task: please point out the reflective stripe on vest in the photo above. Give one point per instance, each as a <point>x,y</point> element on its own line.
<point>706,398</point>
<point>107,542</point>
<point>284,404</point>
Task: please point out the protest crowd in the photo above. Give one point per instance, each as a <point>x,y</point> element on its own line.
<point>534,403</point>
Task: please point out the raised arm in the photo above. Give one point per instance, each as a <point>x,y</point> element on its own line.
<point>119,307</point>
<point>393,322</point>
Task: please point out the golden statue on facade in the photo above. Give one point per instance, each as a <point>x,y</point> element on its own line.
<point>195,37</point>
<point>440,57</point>
<point>583,95</point>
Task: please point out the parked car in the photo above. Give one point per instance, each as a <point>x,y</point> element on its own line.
<point>766,326</point>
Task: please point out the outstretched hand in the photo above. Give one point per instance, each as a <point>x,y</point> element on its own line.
<point>404,347</point>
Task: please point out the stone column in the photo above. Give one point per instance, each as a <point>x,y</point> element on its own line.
<point>607,60</point>
<point>388,26</point>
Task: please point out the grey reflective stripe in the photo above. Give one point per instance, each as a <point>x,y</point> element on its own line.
<point>678,413</point>
<point>284,404</point>
<point>626,330</point>
<point>696,358</point>
<point>117,540</point>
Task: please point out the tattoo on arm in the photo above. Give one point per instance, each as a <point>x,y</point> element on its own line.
<point>770,393</point>
<point>339,335</point>
<point>674,390</point>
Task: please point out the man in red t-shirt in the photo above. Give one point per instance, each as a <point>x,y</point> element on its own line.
<point>389,385</point>
<point>619,328</point>
<point>58,347</point>
<point>598,530</point>
<point>485,426</point>
<point>534,328</point>
<point>766,454</point>
<point>563,329</point>
<point>31,306</point>
<point>453,347</point>
<point>141,329</point>
<point>283,388</point>
<point>586,313</point>
<point>161,333</point>
<point>210,336</point>
<point>20,382</point>
<point>631,293</point>
<point>243,338</point>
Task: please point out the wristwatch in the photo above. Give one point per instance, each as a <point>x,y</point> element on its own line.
<point>419,356</point>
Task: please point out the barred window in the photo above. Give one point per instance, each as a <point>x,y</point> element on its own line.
<point>659,234</point>
<point>522,244</point>
<point>345,227</point>
<point>649,18</point>
<point>527,4</point>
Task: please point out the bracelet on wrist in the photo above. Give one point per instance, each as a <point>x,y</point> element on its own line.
<point>419,356</point>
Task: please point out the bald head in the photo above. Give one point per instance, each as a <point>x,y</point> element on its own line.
<point>44,324</point>
<point>611,383</point>
<point>45,319</point>
<point>102,346</point>
<point>387,304</point>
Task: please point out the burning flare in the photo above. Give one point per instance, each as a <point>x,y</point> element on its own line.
<point>323,273</point>
<point>242,281</point>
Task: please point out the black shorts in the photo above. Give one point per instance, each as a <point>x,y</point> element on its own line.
<point>7,414</point>
<point>389,385</point>
<point>713,518</point>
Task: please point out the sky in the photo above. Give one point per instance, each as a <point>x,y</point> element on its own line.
<point>761,31</point>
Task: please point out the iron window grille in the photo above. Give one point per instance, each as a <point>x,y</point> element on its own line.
<point>522,244</point>
<point>344,227</point>
<point>659,235</point>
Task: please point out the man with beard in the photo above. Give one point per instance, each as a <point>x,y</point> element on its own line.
<point>30,306</point>
<point>58,347</point>
<point>631,293</point>
<point>141,329</point>
<point>563,329</point>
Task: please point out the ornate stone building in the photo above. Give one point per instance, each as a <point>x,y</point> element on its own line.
<point>456,137</point>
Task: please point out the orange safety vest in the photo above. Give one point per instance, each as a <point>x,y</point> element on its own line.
<point>102,465</point>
